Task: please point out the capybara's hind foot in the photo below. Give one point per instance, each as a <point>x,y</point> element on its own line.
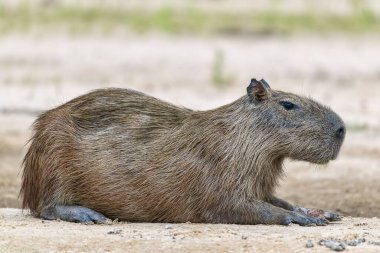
<point>73,214</point>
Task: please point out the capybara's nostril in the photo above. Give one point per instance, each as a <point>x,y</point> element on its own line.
<point>341,132</point>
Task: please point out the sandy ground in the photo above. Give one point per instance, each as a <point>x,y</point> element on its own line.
<point>39,73</point>
<point>21,233</point>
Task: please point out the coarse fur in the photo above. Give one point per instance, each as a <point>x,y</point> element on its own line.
<point>134,157</point>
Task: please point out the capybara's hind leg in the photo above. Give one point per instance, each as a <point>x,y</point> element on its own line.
<point>74,214</point>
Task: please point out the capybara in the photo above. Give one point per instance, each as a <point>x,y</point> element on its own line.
<point>118,153</point>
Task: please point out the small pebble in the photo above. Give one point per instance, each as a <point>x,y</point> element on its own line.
<point>115,232</point>
<point>333,244</point>
<point>374,243</point>
<point>337,246</point>
<point>309,244</point>
<point>244,237</point>
<point>340,245</point>
<point>361,224</point>
<point>168,226</point>
<point>355,242</point>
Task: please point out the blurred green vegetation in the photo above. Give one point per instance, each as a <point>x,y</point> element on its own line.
<point>218,75</point>
<point>189,20</point>
<point>357,127</point>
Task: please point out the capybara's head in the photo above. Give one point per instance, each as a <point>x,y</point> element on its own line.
<point>295,126</point>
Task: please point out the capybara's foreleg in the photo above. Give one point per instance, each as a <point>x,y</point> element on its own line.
<point>260,212</point>
<point>308,211</point>
<point>318,213</point>
<point>280,203</point>
<point>73,214</point>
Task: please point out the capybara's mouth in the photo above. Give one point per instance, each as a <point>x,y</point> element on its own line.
<point>324,156</point>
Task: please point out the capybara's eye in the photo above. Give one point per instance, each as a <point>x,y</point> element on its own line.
<point>288,105</point>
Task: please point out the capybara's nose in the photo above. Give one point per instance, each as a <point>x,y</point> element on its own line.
<point>340,132</point>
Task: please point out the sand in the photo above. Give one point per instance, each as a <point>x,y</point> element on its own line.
<point>22,233</point>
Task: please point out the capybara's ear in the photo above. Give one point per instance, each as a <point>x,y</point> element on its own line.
<point>258,91</point>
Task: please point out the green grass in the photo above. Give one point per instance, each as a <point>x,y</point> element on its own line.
<point>219,77</point>
<point>191,20</point>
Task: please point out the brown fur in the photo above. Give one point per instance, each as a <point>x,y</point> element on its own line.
<point>137,158</point>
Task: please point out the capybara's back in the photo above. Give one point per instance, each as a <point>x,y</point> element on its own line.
<point>121,154</point>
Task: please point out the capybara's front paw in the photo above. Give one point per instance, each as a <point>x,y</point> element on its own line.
<point>319,213</point>
<point>304,220</point>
